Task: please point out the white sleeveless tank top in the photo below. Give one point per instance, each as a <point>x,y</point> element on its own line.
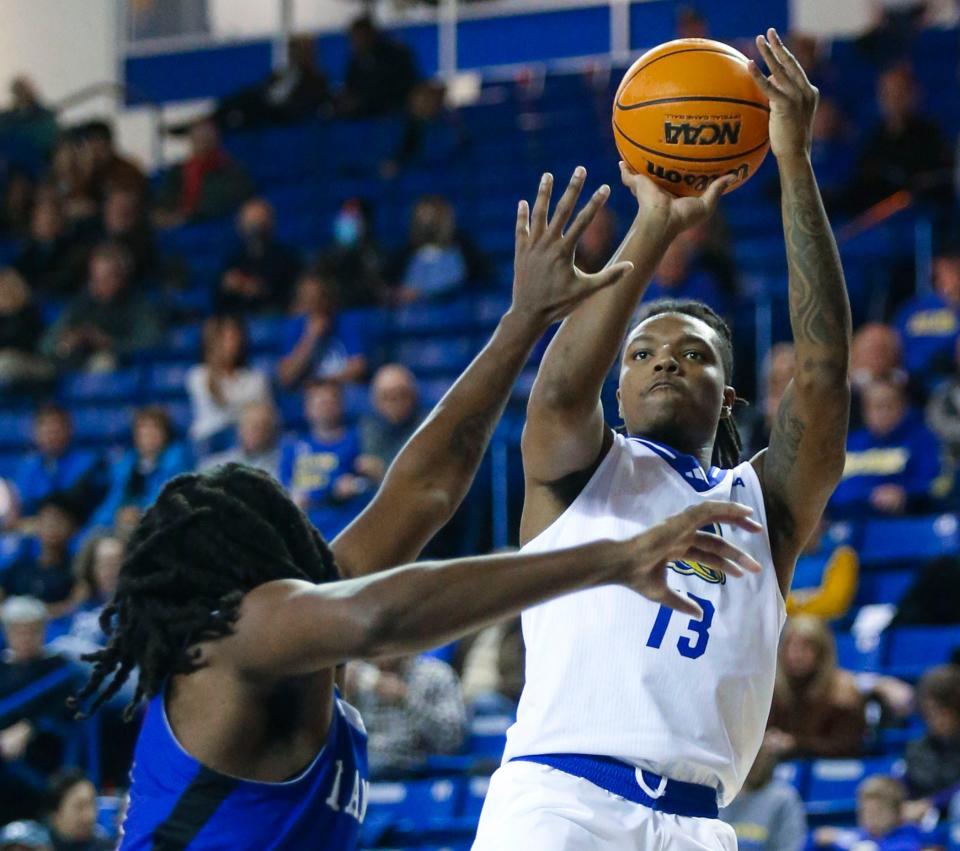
<point>611,673</point>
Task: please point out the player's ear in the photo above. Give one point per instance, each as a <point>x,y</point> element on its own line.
<point>619,404</point>
<point>729,399</point>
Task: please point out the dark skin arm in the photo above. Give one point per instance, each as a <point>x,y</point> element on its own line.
<point>804,461</point>
<point>431,475</point>
<point>291,628</point>
<point>565,435</point>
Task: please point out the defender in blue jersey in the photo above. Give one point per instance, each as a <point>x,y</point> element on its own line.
<point>237,613</point>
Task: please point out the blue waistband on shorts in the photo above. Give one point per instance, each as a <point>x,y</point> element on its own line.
<point>619,778</point>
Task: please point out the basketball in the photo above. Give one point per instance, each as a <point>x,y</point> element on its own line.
<point>688,112</point>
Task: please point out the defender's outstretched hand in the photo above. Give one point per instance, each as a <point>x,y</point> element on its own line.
<point>680,537</point>
<point>546,284</point>
<point>677,214</point>
<point>793,98</point>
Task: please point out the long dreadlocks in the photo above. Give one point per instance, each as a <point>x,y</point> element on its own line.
<point>207,541</point>
<point>727,444</point>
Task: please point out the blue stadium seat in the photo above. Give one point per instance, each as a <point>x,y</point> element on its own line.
<point>16,430</point>
<point>9,462</point>
<point>909,540</point>
<point>475,794</point>
<point>436,355</point>
<point>119,385</point>
<point>488,735</point>
<point>266,333</point>
<point>853,658</point>
<point>409,807</point>
<point>102,424</point>
<point>168,380</point>
<point>433,318</point>
<point>883,586</point>
<point>12,545</point>
<point>911,650</point>
<point>183,342</point>
<point>833,782</point>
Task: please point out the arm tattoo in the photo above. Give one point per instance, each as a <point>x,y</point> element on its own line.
<point>470,436</point>
<point>819,310</point>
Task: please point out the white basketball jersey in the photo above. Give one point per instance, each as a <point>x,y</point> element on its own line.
<point>611,673</point>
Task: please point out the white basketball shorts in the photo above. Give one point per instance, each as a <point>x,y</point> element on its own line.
<point>532,807</point>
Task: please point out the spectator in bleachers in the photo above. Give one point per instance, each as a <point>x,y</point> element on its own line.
<point>21,328</point>
<point>123,221</point>
<point>907,150</point>
<point>45,571</point>
<point>933,760</point>
<point>223,383</point>
<point>209,183</point>
<point>895,464</point>
<point>677,277</point>
<point>296,92</point>
<point>598,241</point>
<point>354,264</point>
<point>817,710</point>
<point>767,814</point>
<point>438,261</point>
<point>28,129</point>
<point>73,819</point>
<point>396,415</point>
<point>66,180</point>
<point>876,355</point>
<point>825,579</point>
<point>49,257</point>
<point>258,440</point>
<point>24,836</point>
<point>105,170</point>
<point>943,410</point>
<point>412,707</point>
<point>319,469</point>
<point>56,466</point>
<point>29,749</point>
<point>380,75</point>
<point>96,569</point>
<point>929,325</point>
<point>259,274</point>
<point>138,476</point>
<point>778,368</point>
<point>107,321</point>
<point>318,341</point>
<point>880,821</point>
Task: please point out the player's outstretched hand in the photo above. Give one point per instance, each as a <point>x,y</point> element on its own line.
<point>676,214</point>
<point>793,98</point>
<point>680,537</point>
<point>546,284</point>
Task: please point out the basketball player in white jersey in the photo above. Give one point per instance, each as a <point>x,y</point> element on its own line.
<point>637,720</point>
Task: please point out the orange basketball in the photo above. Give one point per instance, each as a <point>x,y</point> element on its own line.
<point>688,112</point>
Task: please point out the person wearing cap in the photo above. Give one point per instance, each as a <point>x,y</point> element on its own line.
<point>24,836</point>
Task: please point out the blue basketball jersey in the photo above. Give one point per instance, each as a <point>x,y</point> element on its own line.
<point>177,803</point>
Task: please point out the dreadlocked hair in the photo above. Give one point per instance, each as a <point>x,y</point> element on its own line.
<point>208,540</point>
<point>727,444</point>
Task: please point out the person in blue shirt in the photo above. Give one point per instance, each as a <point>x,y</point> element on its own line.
<point>56,466</point>
<point>929,325</point>
<point>320,469</point>
<point>880,824</point>
<point>140,473</point>
<point>894,464</point>
<point>319,342</point>
<point>237,613</point>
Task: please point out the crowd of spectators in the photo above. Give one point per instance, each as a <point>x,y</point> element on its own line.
<point>89,291</point>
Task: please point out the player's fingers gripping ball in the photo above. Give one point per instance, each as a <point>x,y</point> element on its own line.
<point>688,112</point>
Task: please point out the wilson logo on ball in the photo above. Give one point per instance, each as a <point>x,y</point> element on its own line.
<point>697,181</point>
<point>708,133</point>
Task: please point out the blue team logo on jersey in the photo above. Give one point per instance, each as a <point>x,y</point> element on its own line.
<point>695,568</point>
